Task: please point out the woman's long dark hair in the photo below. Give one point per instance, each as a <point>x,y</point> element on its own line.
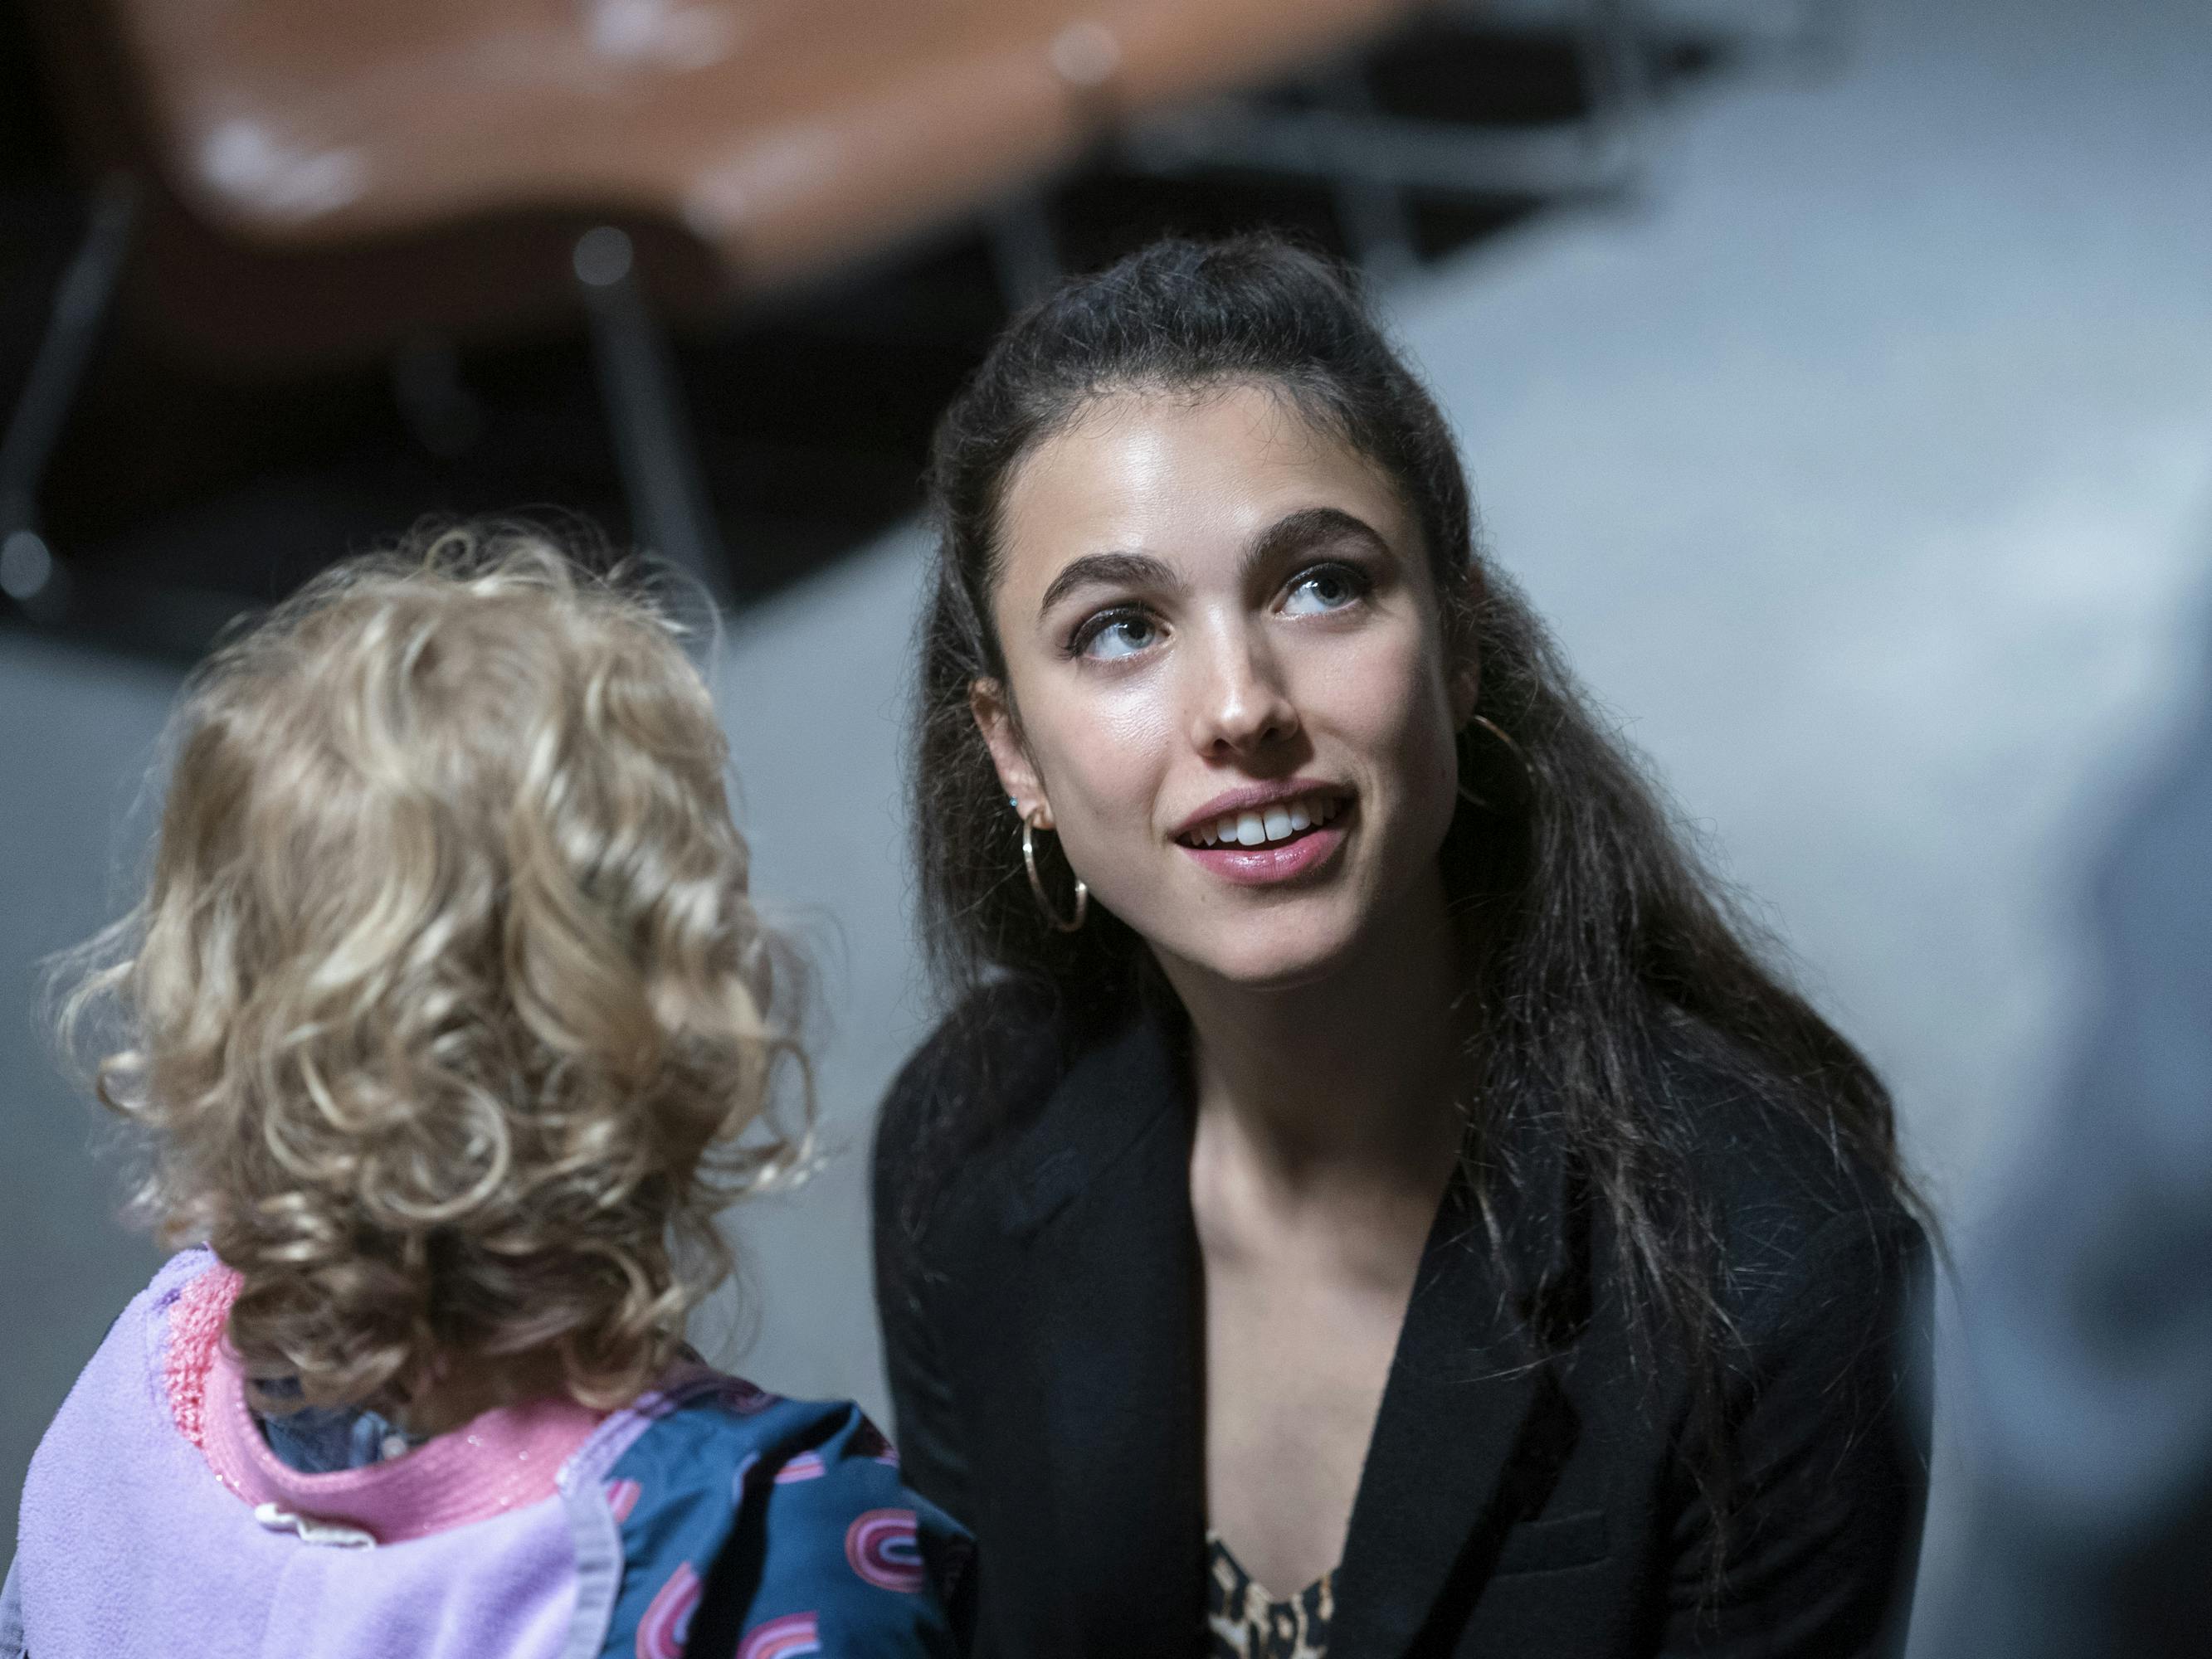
<point>1606,950</point>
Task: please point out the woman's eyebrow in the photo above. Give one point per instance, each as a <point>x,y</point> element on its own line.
<point>1310,526</point>
<point>1108,570</point>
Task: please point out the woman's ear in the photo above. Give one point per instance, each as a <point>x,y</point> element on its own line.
<point>994,718</point>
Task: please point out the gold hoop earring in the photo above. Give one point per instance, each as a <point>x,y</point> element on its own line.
<point>1036,886</point>
<point>1520,759</point>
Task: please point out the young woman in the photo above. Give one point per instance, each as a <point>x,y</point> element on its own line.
<point>1369,1197</point>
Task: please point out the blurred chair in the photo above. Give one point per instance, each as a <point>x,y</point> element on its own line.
<point>778,137</point>
<point>326,180</point>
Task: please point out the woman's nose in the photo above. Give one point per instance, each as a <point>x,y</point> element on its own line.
<point>1241,704</point>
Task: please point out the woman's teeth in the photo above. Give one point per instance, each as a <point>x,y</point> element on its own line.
<point>1276,822</point>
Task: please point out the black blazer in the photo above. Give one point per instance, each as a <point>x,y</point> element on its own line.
<point>1044,1345</point>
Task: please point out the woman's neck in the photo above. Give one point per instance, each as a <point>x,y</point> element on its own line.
<point>1344,1082</point>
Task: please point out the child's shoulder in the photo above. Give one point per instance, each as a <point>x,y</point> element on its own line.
<point>695,1404</point>
<point>708,1511</point>
<point>706,1440</point>
<point>757,1524</point>
<point>159,1345</point>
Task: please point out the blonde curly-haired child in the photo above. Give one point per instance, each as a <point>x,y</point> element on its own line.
<point>449,1027</point>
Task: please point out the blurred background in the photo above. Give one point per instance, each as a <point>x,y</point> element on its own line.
<point>1836,377</point>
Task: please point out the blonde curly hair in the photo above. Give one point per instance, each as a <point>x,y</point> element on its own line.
<point>446,1011</point>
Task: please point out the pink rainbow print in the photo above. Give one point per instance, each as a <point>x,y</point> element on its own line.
<point>787,1638</point>
<point>884,1547</point>
<point>667,1621</point>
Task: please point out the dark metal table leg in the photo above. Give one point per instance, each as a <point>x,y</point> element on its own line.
<point>653,448</point>
<point>30,574</point>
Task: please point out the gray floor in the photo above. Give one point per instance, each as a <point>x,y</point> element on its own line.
<point>1865,469</point>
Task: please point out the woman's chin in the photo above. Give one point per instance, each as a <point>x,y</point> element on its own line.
<point>1272,959</point>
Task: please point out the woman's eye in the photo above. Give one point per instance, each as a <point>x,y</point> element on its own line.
<point>1123,635</point>
<point>1329,588</point>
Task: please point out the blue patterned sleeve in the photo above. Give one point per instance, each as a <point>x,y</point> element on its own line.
<point>855,1562</point>
<point>754,1527</point>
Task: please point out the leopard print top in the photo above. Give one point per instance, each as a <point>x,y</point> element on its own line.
<point>1244,1619</point>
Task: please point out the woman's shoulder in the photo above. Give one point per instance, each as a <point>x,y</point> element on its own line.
<point>978,1081</point>
<point>1004,1039</point>
<point>1795,1201</point>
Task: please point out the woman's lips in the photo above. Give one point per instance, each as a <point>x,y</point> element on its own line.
<point>1274,861</point>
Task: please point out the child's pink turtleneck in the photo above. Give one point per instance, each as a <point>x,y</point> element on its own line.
<point>496,1462</point>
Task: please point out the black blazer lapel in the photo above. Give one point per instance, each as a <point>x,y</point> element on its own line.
<point>1473,1427</point>
<point>1100,1203</point>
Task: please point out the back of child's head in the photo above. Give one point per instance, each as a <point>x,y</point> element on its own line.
<point>446,1012</point>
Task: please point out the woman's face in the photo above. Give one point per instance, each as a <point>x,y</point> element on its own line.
<point>1235,705</point>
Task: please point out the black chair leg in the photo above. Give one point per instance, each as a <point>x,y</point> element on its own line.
<point>30,573</point>
<point>653,448</point>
